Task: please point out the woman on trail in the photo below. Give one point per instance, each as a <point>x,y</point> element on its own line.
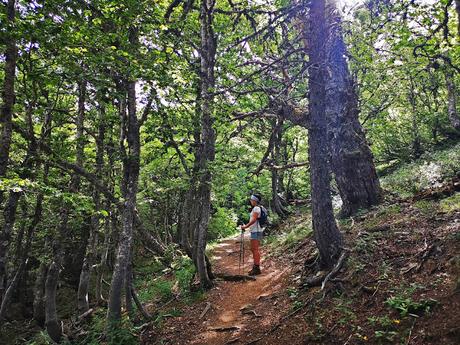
<point>256,232</point>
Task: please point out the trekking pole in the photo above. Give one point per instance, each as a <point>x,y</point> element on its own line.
<point>241,253</point>
<point>242,241</point>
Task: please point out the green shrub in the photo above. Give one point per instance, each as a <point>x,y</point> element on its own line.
<point>184,272</point>
<point>405,305</point>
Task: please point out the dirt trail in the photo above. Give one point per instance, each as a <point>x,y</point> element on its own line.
<point>248,308</point>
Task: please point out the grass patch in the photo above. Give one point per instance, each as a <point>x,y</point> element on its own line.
<point>426,207</point>
<point>289,238</point>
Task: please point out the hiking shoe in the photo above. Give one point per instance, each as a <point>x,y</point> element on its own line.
<point>255,271</point>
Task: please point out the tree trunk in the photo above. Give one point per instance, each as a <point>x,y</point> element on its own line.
<point>451,99</point>
<point>327,236</point>
<point>39,295</point>
<point>9,212</point>
<point>110,223</point>
<point>90,253</point>
<point>277,205</point>
<point>351,158</point>
<point>9,215</point>
<point>131,162</point>
<point>208,137</point>
<point>128,287</point>
<point>52,323</point>
<point>8,94</point>
<point>416,141</point>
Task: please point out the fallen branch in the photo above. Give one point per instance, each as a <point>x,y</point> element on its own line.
<point>206,309</point>
<point>86,314</point>
<point>251,312</point>
<point>234,277</point>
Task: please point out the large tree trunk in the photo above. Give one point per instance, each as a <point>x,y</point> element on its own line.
<point>208,138</point>
<point>351,157</point>
<point>131,162</point>
<point>195,210</point>
<point>8,95</point>
<point>326,234</point>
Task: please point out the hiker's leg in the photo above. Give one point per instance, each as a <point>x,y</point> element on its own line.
<point>255,244</point>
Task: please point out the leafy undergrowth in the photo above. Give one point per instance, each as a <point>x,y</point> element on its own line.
<point>429,171</point>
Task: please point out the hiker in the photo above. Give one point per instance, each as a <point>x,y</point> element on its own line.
<point>256,232</point>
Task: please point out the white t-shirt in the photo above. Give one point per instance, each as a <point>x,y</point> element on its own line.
<point>256,226</point>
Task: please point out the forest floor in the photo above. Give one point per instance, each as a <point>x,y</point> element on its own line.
<point>400,284</point>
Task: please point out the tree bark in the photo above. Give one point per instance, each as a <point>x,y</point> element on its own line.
<point>8,94</point>
<point>351,158</point>
<point>451,99</point>
<point>326,234</point>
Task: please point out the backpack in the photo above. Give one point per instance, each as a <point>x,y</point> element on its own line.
<point>263,218</point>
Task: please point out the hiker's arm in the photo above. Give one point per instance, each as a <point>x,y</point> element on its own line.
<point>251,221</point>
